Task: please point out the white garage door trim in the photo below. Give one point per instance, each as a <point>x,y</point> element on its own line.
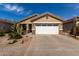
<point>47,29</point>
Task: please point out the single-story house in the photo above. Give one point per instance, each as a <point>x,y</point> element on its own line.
<point>45,23</point>
<point>68,24</point>
<point>5,26</point>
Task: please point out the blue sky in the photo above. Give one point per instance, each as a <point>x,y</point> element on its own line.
<point>18,11</point>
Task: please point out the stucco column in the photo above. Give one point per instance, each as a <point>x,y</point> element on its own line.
<point>33,28</point>
<point>27,28</point>
<point>60,28</point>
<point>21,28</point>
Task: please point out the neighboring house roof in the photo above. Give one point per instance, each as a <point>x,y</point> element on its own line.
<point>5,21</point>
<point>71,20</point>
<point>68,21</point>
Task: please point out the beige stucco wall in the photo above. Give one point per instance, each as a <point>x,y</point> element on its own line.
<point>49,20</point>
<point>77,23</point>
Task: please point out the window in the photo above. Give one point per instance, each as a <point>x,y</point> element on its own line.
<point>38,24</point>
<point>43,24</point>
<point>46,24</point>
<point>49,24</point>
<point>55,24</point>
<point>2,27</point>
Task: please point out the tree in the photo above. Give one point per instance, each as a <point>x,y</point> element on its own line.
<point>74,26</point>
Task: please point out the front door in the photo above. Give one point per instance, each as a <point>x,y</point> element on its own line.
<point>30,28</point>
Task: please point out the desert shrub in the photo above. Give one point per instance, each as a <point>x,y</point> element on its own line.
<point>71,32</point>
<point>77,31</point>
<point>2,34</point>
<point>15,32</point>
<point>14,35</point>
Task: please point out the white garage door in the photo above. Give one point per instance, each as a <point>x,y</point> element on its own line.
<point>47,30</point>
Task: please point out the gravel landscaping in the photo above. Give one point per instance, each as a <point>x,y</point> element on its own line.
<point>16,49</point>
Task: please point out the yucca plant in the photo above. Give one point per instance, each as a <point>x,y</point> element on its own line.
<point>15,32</point>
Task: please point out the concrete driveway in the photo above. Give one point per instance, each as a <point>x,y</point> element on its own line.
<point>52,45</point>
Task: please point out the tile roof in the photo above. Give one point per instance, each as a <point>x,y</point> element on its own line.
<point>5,21</point>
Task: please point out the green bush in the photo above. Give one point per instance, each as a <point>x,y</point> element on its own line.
<point>2,33</point>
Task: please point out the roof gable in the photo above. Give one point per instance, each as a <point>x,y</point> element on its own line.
<point>46,17</point>
<point>46,14</point>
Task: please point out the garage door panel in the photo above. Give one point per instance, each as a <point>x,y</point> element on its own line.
<point>47,30</point>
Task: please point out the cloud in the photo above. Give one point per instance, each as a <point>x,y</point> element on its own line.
<point>19,9</point>
<point>15,8</point>
<point>7,7</point>
<point>77,7</point>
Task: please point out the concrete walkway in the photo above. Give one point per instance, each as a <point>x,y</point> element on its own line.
<point>52,45</point>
